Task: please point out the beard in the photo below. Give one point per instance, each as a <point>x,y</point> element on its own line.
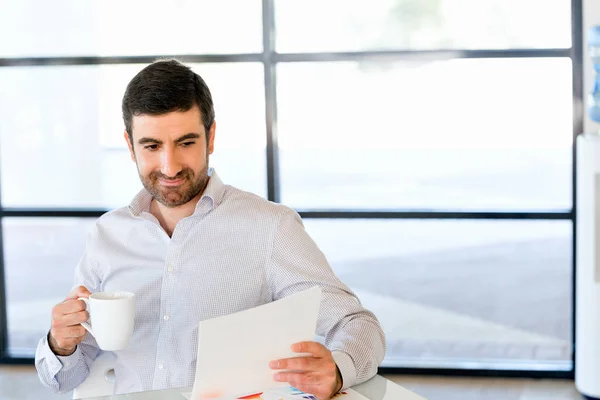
<point>176,196</point>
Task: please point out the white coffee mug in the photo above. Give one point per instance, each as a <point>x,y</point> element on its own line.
<point>111,318</point>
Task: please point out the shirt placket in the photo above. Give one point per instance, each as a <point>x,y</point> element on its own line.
<point>164,370</point>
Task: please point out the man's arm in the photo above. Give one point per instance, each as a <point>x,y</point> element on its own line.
<point>352,333</point>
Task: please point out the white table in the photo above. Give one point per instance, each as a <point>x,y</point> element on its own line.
<point>377,388</point>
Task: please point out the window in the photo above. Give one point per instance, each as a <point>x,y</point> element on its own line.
<point>355,25</point>
<point>450,291</point>
<point>443,135</point>
<point>427,144</point>
<point>134,28</point>
<point>72,127</point>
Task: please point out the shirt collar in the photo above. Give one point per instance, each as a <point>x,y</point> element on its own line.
<point>210,199</point>
<point>213,193</point>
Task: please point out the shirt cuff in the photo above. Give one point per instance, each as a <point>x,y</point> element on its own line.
<point>55,362</point>
<point>69,362</point>
<point>347,369</point>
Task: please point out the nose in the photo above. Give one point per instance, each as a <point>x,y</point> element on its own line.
<point>170,166</point>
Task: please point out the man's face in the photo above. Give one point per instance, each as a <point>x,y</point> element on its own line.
<point>171,154</point>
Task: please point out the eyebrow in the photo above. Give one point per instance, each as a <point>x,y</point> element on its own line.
<point>187,136</point>
<point>183,138</point>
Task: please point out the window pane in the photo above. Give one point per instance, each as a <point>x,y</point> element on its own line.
<point>343,25</point>
<point>452,290</point>
<point>133,27</point>
<point>442,289</point>
<point>62,133</point>
<point>40,255</point>
<point>478,134</point>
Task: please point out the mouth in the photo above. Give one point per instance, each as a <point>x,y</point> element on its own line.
<point>170,182</point>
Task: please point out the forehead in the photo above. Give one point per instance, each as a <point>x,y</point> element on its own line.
<point>172,124</point>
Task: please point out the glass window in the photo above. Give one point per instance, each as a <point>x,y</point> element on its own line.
<point>452,290</point>
<point>129,28</point>
<point>62,133</point>
<point>40,256</point>
<point>464,134</point>
<point>468,134</point>
<point>355,25</point>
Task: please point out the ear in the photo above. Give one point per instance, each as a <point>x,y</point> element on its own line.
<point>130,145</point>
<point>211,138</point>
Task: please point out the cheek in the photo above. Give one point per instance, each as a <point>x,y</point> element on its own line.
<point>144,165</point>
<point>196,161</point>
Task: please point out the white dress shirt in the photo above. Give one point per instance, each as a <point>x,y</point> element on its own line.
<point>235,252</point>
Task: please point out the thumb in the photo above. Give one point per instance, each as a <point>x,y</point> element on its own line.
<point>79,291</point>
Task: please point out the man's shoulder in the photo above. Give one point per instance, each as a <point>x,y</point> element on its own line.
<point>112,220</point>
<point>118,214</point>
<point>238,200</point>
<point>108,226</point>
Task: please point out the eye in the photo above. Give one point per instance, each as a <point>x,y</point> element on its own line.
<point>151,147</point>
<point>187,144</point>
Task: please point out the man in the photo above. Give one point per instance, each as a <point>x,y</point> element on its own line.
<point>192,248</point>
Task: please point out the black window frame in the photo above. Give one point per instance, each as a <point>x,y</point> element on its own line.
<point>269,59</point>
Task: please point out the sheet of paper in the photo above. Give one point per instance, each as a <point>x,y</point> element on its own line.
<point>234,351</point>
<point>278,394</point>
<point>350,394</point>
<point>294,394</point>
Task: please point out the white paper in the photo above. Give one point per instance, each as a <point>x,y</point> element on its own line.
<point>274,394</point>
<point>278,394</point>
<point>234,351</point>
<point>350,394</point>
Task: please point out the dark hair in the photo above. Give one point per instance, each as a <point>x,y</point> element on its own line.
<point>166,86</point>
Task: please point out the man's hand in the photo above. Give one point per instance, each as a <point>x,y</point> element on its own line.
<point>317,375</point>
<point>66,332</point>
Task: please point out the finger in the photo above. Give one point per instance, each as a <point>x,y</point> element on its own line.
<point>314,348</point>
<point>72,332</point>
<point>64,321</point>
<point>69,307</point>
<point>297,364</point>
<point>68,338</point>
<point>79,291</point>
<point>297,378</point>
<point>75,318</point>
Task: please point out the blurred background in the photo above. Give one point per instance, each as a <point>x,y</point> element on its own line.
<point>426,143</point>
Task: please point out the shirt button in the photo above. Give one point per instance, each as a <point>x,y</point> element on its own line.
<point>166,317</point>
<point>160,366</point>
<point>170,268</point>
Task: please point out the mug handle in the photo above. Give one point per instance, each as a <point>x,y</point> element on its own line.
<point>87,326</point>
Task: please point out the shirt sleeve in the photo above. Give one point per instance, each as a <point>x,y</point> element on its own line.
<point>63,374</point>
<point>352,333</point>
